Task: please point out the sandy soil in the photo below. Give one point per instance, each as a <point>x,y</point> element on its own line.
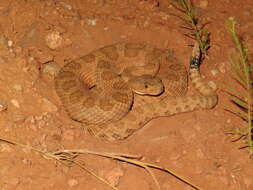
<point>38,37</point>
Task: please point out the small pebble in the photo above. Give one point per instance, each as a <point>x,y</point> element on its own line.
<point>72,182</point>
<point>3,107</point>
<point>65,5</point>
<point>113,175</point>
<point>38,117</point>
<point>54,40</point>
<point>51,68</point>
<point>146,24</point>
<point>203,4</point>
<point>10,43</point>
<point>67,42</point>
<point>213,85</point>
<point>165,16</point>
<point>30,59</point>
<point>199,154</point>
<point>17,87</point>
<point>33,127</point>
<point>32,119</point>
<point>15,103</point>
<point>222,67</point>
<point>92,22</point>
<point>214,72</point>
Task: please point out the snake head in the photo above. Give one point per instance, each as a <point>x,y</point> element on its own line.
<point>146,85</point>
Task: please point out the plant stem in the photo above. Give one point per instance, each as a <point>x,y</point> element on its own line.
<point>244,64</point>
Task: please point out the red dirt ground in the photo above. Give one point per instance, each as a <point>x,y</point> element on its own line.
<point>193,145</point>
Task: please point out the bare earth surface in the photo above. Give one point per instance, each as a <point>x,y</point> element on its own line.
<point>39,37</point>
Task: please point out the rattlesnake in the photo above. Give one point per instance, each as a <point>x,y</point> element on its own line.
<point>97,89</point>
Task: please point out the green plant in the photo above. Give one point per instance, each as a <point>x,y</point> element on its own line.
<point>192,24</point>
<point>242,97</point>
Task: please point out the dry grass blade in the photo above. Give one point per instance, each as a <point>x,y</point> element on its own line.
<point>95,175</point>
<point>70,155</point>
<point>242,74</point>
<point>129,160</point>
<point>153,176</point>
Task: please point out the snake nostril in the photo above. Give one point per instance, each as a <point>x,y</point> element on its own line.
<point>146,86</point>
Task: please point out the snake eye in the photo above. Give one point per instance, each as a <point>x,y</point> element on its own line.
<point>146,86</point>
